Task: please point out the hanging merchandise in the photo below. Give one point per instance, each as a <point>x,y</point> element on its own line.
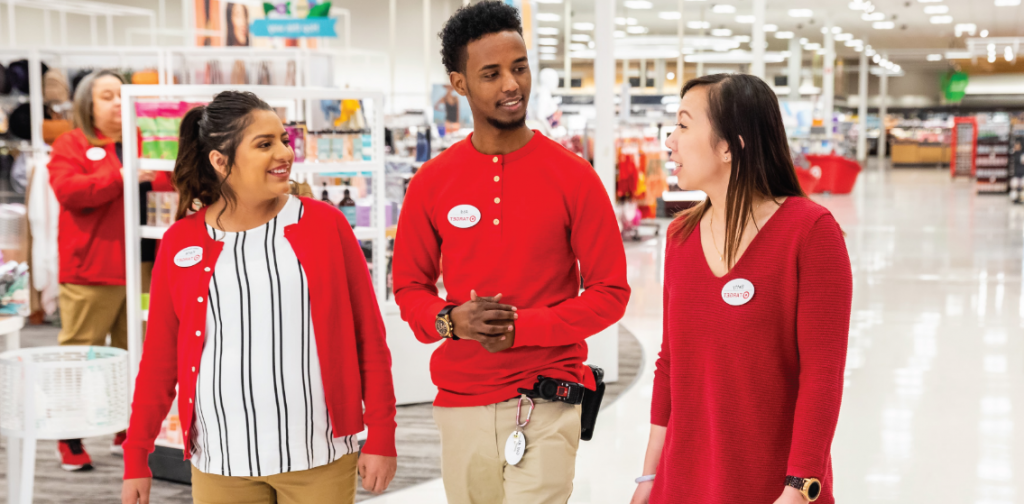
<point>4,122</point>
<point>238,73</point>
<point>55,87</point>
<point>5,83</point>
<point>289,74</point>
<point>263,78</point>
<point>145,77</point>
<point>21,122</point>
<point>17,72</point>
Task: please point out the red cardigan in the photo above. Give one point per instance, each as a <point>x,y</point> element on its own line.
<point>349,333</point>
<point>90,236</point>
<point>751,393</point>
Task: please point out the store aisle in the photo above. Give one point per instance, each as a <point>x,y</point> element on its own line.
<point>936,356</point>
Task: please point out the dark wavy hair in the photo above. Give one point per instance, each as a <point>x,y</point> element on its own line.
<point>471,23</point>
<point>216,126</point>
<point>744,106</point>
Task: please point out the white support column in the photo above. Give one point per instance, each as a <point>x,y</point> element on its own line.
<point>94,30</point>
<point>426,57</point>
<point>828,81</point>
<point>110,30</point>
<point>567,81</point>
<point>47,29</point>
<point>659,75</point>
<point>796,60</point>
<point>392,40</point>
<point>63,28</point>
<point>11,36</point>
<point>681,31</point>
<point>883,109</point>
<point>604,93</point>
<point>643,73</point>
<point>624,103</point>
<point>862,109</point>
<point>703,33</point>
<point>757,41</point>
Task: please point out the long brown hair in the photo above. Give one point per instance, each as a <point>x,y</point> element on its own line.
<point>216,126</point>
<point>743,106</point>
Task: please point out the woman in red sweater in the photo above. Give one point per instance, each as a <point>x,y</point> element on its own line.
<point>756,314</point>
<point>263,315</point>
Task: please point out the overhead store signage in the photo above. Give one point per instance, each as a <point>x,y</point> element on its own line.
<point>954,86</point>
<point>294,28</point>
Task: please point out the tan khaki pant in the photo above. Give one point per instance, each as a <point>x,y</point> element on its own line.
<point>473,463</point>
<point>333,483</point>
<point>89,312</point>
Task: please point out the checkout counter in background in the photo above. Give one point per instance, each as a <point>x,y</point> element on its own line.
<point>920,146</point>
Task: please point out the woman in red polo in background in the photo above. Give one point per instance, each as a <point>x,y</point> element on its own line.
<point>86,176</point>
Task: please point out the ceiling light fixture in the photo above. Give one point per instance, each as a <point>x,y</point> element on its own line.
<point>636,30</point>
<point>578,47</point>
<point>743,39</point>
<point>962,28</point>
<point>724,9</point>
<point>804,41</point>
<point>984,33</point>
<point>548,17</point>
<point>548,41</point>
<point>854,43</point>
<point>928,1</point>
<point>842,37</point>
<point>934,57</point>
<point>874,16</point>
<point>870,52</point>
<point>547,30</point>
<point>698,25</point>
<point>583,26</point>
<point>548,50</point>
<point>1008,53</point>
<point>876,58</point>
<point>769,28</point>
<point>549,1</point>
<point>936,9</point>
<point>1007,3</point>
<point>785,35</point>
<point>746,19</point>
<point>619,34</point>
<point>941,20</point>
<point>670,76</point>
<point>801,13</point>
<point>670,15</point>
<point>721,32</point>
<point>814,46</point>
<point>638,4</point>
<point>858,48</point>
<point>580,37</point>
<point>991,57</point>
<point>883,25</point>
<point>548,57</point>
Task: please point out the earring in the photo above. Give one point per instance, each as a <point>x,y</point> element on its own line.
<point>197,204</point>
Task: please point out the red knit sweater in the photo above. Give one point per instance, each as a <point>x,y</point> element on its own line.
<point>751,393</point>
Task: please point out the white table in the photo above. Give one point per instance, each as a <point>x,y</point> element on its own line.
<point>10,326</point>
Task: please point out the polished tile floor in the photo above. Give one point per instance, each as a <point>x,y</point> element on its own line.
<point>936,358</point>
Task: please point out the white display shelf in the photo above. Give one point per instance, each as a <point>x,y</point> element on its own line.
<point>302,167</point>
<point>157,232</point>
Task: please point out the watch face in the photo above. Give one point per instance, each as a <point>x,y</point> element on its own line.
<point>442,327</point>
<point>814,490</point>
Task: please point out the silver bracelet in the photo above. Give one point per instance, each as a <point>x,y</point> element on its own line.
<point>644,479</point>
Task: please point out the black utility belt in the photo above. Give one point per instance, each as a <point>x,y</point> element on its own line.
<point>553,389</point>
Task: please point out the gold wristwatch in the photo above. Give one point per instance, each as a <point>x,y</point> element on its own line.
<point>444,324</point>
<point>810,488</point>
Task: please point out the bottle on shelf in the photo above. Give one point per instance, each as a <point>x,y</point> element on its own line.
<point>324,197</point>
<point>348,208</point>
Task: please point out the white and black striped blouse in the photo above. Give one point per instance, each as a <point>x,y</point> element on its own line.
<point>260,407</point>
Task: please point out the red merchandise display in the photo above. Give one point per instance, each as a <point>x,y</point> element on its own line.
<point>838,174</point>
<point>965,147</point>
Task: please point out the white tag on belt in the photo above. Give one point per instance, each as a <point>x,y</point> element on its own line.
<point>515,446</point>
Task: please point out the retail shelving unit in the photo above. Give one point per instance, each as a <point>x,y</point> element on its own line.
<point>992,158</point>
<point>965,147</point>
<point>301,100</point>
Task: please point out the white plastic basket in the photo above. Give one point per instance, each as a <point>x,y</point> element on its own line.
<point>63,392</point>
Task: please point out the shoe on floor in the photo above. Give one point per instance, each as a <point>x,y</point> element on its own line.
<point>73,456</point>
<point>115,447</point>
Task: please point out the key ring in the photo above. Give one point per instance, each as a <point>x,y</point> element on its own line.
<point>519,410</point>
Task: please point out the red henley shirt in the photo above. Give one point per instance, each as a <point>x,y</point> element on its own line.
<point>527,225</point>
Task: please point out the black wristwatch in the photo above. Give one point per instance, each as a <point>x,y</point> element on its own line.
<point>810,488</point>
<point>444,324</point>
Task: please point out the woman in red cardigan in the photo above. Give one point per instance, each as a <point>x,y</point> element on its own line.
<point>263,315</point>
<point>757,300</point>
<point>85,174</point>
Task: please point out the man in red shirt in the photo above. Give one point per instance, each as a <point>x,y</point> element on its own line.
<point>519,219</point>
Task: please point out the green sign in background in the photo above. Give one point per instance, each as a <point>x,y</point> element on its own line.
<point>954,86</point>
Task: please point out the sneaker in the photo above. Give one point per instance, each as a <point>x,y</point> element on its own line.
<point>73,456</point>
<point>115,447</point>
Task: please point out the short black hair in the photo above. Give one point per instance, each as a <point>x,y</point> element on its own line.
<point>472,23</point>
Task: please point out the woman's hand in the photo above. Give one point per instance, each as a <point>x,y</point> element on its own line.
<point>146,176</point>
<point>642,495</point>
<point>791,496</point>
<point>136,491</point>
<point>377,471</point>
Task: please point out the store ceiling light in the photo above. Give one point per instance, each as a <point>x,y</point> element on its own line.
<point>548,17</point>
<point>801,13</point>
<point>580,37</point>
<point>991,57</point>
<point>876,58</point>
<point>837,30</point>
<point>883,25</point>
<point>785,35</point>
<point>578,47</point>
<point>962,28</point>
<point>874,16</point>
<point>936,9</point>
<point>549,1</point>
<point>1007,3</point>
<point>804,41</point>
<point>698,25</point>
<point>928,1</point>
<point>548,50</point>
<point>842,37</point>
<point>854,43</point>
<point>745,19</point>
<point>858,48</point>
<point>547,30</point>
<point>636,30</point>
<point>619,34</point>
<point>724,9</point>
<point>1008,53</point>
<point>548,41</point>
<point>721,32</point>
<point>591,44</point>
<point>814,46</point>
<point>548,57</point>
<point>769,28</point>
<point>934,57</point>
<point>583,26</point>
<point>820,52</point>
<point>743,39</point>
<point>991,47</point>
<point>870,52</point>
<point>984,33</point>
<point>638,4</point>
<point>670,15</point>
<point>941,20</point>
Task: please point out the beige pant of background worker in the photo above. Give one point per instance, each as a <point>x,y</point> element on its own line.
<point>473,463</point>
<point>88,313</point>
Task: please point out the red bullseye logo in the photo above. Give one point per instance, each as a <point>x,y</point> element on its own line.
<point>737,292</point>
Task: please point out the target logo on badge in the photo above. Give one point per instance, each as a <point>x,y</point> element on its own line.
<point>464,216</point>
<point>738,292</point>
<point>188,257</point>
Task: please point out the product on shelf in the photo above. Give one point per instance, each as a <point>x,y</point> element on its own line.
<point>348,208</point>
<point>161,207</point>
<point>159,123</point>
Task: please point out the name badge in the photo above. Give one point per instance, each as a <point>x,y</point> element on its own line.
<point>188,257</point>
<point>738,292</point>
<point>95,154</point>
<point>464,216</point>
